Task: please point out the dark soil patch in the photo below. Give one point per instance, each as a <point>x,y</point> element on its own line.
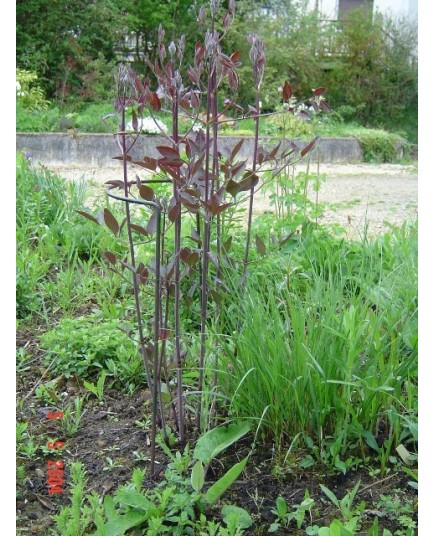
<point>110,445</point>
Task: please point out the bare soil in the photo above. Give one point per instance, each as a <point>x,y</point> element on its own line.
<point>108,430</point>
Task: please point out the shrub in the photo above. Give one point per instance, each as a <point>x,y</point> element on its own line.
<point>378,146</point>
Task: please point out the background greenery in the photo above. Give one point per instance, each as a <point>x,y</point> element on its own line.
<point>72,49</point>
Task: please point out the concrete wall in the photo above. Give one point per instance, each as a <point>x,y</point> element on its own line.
<point>98,150</point>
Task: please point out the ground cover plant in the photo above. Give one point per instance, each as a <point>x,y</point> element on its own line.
<point>249,390</point>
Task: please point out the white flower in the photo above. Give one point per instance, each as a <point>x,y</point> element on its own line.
<point>19,92</point>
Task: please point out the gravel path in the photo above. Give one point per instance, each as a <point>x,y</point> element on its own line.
<point>355,195</point>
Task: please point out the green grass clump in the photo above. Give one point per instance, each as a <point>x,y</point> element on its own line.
<point>327,348</point>
<point>58,251</point>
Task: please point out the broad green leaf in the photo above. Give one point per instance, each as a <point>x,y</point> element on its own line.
<point>370,440</point>
<point>90,386</point>
<point>340,465</point>
<point>217,489</point>
<point>101,380</point>
<point>243,518</point>
<point>165,393</point>
<point>136,500</point>
<point>281,507</point>
<point>117,525</point>
<point>330,495</point>
<point>373,531</point>
<point>197,476</point>
<point>209,445</point>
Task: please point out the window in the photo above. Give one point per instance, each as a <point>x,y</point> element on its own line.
<point>347,5</point>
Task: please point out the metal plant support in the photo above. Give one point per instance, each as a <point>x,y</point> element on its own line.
<point>154,384</point>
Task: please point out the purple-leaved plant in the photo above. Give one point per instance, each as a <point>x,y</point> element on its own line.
<point>206,180</point>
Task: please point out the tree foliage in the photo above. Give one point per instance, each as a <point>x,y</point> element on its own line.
<point>376,71</point>
<point>370,71</point>
<point>60,39</point>
<point>288,31</point>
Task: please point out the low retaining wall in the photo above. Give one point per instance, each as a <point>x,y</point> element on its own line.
<point>98,150</point>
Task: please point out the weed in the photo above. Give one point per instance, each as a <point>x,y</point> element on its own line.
<point>85,509</point>
<point>86,346</point>
<point>140,456</point>
<point>145,424</point>
<point>71,420</point>
<point>98,389</point>
<point>21,432</point>
<point>111,464</point>
<point>47,393</point>
<point>22,360</point>
<point>345,505</point>
<point>176,505</point>
<point>29,448</point>
<point>284,518</point>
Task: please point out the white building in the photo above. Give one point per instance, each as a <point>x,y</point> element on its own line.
<point>336,9</point>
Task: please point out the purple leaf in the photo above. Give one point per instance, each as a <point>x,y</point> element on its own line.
<point>151,227</point>
<point>232,188</point>
<point>146,192</point>
<point>88,216</point>
<point>130,267</point>
<point>155,102</point>
<point>318,91</point>
<point>194,100</point>
<point>195,235</point>
<point>189,202</point>
<point>174,210</point>
<point>139,229</point>
<point>192,75</point>
<point>115,183</point>
<point>260,246</point>
<point>121,157</point>
<point>147,162</point>
<point>226,20</point>
<point>235,56</point>
<point>111,221</point>
<point>213,205</point>
<point>236,149</point>
<point>248,182</point>
<point>135,121</point>
<point>111,257</point>
<point>303,114</point>
<point>286,91</point>
<point>143,273</point>
<point>311,145</point>
<point>324,106</point>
